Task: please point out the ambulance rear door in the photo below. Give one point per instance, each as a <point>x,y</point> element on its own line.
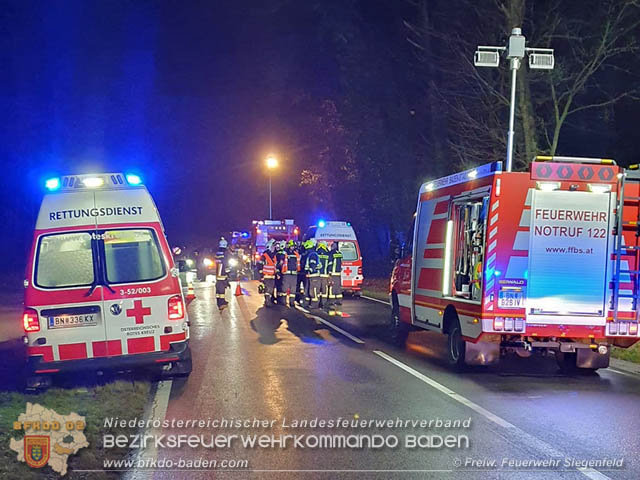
<point>65,287</point>
<point>144,311</point>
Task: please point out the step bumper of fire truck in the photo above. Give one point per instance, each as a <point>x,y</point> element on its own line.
<point>177,352</point>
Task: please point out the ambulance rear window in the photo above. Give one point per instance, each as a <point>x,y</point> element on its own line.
<point>64,260</point>
<point>132,256</point>
<point>348,250</point>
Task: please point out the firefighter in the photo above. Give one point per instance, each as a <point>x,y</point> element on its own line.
<point>312,273</point>
<point>324,267</point>
<point>289,268</point>
<point>222,261</point>
<point>280,258</point>
<point>268,272</point>
<point>301,281</point>
<point>335,284</point>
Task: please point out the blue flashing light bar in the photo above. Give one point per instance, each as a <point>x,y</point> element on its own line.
<point>52,184</point>
<point>133,179</point>
<point>321,223</point>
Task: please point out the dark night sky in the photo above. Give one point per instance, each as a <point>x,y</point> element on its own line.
<point>189,97</point>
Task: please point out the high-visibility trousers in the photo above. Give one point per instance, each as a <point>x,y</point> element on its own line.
<point>269,286</point>
<point>324,287</point>
<point>312,289</point>
<point>335,288</point>
<point>289,281</point>
<point>221,286</point>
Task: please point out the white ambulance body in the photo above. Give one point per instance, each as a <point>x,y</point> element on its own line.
<point>343,233</point>
<point>101,288</point>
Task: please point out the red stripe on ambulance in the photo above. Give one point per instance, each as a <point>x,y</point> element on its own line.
<point>141,345</point>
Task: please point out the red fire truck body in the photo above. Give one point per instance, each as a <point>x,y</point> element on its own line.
<point>524,261</point>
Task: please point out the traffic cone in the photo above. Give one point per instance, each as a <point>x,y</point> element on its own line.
<point>191,294</point>
<point>238,290</point>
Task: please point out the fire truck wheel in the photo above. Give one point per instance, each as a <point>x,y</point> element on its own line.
<point>456,345</point>
<point>397,330</point>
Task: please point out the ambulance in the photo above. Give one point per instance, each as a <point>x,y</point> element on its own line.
<point>343,233</point>
<point>539,261</point>
<point>101,288</point>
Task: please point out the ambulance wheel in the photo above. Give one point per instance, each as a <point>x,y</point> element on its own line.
<point>397,330</point>
<point>456,347</point>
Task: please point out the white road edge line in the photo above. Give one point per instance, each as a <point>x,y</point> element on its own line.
<point>620,372</point>
<point>329,324</point>
<point>156,410</point>
<point>526,438</point>
<point>375,300</point>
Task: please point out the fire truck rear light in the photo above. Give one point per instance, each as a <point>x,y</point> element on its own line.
<point>498,324</point>
<point>508,324</point>
<point>599,188</point>
<point>518,325</point>
<point>30,320</point>
<point>633,329</point>
<point>613,328</point>
<point>176,308</point>
<point>623,328</point>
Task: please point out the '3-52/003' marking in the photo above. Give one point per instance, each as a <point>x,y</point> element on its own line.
<point>135,291</point>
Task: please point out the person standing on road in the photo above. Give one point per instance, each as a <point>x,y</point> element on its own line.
<point>312,272</point>
<point>335,284</point>
<point>300,280</point>
<point>268,272</point>
<point>324,267</point>
<point>281,256</point>
<point>289,269</point>
<point>222,282</point>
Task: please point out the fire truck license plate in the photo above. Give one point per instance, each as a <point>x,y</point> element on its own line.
<point>510,299</point>
<point>66,321</point>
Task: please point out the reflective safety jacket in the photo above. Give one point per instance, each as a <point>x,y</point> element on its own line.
<point>335,259</point>
<point>324,265</point>
<point>221,264</point>
<point>290,262</point>
<point>312,263</point>
<point>268,260</point>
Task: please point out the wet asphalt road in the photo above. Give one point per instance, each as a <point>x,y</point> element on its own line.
<point>284,364</point>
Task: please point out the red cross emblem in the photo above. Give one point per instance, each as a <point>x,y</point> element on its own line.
<point>348,271</point>
<point>138,311</point>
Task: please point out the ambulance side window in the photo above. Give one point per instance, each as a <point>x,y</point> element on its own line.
<point>470,225</point>
<point>64,260</point>
<point>132,256</point>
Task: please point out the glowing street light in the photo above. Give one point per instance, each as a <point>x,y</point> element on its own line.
<point>272,164</point>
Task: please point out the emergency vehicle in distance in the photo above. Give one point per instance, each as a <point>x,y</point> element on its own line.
<point>545,260</point>
<point>265,230</point>
<point>101,288</point>
<point>343,233</point>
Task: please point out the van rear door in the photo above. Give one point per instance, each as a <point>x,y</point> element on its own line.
<point>140,293</point>
<point>66,289</point>
<point>569,253</point>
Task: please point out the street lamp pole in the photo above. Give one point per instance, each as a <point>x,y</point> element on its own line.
<point>272,163</point>
<point>270,212</point>
<point>515,50</point>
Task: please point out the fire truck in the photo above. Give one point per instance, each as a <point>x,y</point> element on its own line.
<point>539,261</point>
<point>265,230</point>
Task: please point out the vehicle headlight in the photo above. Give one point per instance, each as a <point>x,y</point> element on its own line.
<point>233,262</point>
<point>245,258</point>
<point>207,262</point>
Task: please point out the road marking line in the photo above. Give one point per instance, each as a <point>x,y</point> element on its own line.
<point>375,300</point>
<point>329,324</point>
<point>527,438</point>
<point>157,410</point>
<point>592,474</point>
<point>620,372</point>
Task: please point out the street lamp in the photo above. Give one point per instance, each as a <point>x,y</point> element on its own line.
<point>272,163</point>
<point>539,59</point>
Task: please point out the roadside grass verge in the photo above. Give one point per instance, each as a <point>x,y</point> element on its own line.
<point>631,354</point>
<point>376,288</point>
<point>123,398</point>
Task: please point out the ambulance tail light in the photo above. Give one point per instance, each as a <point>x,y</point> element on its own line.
<point>30,320</point>
<point>176,308</point>
<point>359,270</point>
